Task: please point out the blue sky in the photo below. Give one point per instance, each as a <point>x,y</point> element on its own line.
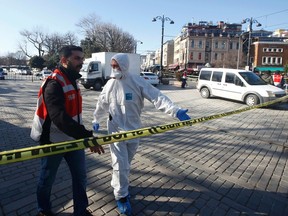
<point>132,16</point>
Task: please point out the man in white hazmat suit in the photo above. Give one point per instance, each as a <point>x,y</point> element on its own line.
<point>122,99</point>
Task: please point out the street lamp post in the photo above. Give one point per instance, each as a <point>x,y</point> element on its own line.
<point>162,19</point>
<point>251,21</point>
<point>239,49</point>
<point>137,41</point>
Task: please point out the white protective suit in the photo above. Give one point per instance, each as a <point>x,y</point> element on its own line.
<point>123,99</point>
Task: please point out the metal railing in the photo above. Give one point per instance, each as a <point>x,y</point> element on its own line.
<point>16,76</point>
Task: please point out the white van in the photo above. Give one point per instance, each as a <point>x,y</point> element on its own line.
<point>240,85</point>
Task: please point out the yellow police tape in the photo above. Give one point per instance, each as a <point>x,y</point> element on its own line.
<point>23,154</point>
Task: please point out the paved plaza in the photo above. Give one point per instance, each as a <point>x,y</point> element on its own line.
<point>235,165</point>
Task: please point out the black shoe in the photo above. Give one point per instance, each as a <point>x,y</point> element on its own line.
<point>42,213</point>
<point>88,213</point>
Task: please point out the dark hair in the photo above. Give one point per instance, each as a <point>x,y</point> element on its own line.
<point>66,51</point>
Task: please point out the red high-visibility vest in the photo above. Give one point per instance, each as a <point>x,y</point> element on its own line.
<point>277,79</point>
<point>73,103</point>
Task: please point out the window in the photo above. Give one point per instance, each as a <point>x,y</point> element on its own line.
<point>266,60</point>
<point>238,82</point>
<point>215,56</point>
<point>205,75</point>
<point>252,78</point>
<point>229,78</point>
<point>216,44</point>
<point>217,76</point>
<point>200,44</point>
<point>199,56</point>
<point>191,55</point>
<point>94,67</point>
<point>266,49</point>
<point>192,43</point>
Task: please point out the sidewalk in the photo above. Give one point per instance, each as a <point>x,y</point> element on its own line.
<point>235,165</point>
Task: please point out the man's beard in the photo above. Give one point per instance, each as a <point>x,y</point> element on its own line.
<point>74,70</point>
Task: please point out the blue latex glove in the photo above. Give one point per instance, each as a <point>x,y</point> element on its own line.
<point>181,115</point>
<point>96,127</point>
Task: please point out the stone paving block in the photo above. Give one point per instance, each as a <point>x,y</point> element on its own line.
<point>206,211</point>
<point>255,200</point>
<point>219,211</point>
<point>278,209</point>
<point>175,200</point>
<point>18,204</point>
<point>97,203</point>
<point>200,203</point>
<point>190,211</point>
<point>108,207</point>
<point>234,192</point>
<point>244,196</point>
<point>233,212</point>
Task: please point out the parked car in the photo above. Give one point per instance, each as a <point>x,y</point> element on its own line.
<point>38,74</point>
<point>240,85</point>
<point>45,73</point>
<point>2,77</point>
<point>150,77</point>
<point>26,72</point>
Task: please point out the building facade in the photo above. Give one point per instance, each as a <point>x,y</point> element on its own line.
<point>223,45</point>
<point>269,55</point>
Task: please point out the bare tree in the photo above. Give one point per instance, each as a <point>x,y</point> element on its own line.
<point>105,36</point>
<point>36,38</point>
<point>45,44</point>
<point>71,38</point>
<point>53,42</point>
<point>89,25</point>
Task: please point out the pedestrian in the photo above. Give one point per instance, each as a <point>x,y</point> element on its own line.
<point>58,118</point>
<point>266,76</point>
<point>121,102</point>
<point>159,74</point>
<point>184,79</point>
<point>278,79</point>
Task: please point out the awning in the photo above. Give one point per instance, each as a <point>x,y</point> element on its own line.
<point>173,66</point>
<point>272,69</point>
<point>187,69</point>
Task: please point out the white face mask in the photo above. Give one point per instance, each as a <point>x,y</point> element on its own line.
<point>116,74</point>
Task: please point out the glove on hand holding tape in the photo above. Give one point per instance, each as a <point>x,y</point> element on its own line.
<point>96,127</point>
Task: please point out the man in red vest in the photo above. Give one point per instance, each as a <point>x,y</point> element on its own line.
<point>58,118</point>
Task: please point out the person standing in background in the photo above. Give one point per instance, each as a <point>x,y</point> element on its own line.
<point>278,79</point>
<point>266,76</point>
<point>184,79</point>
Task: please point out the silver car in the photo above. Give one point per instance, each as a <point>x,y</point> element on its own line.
<point>150,77</point>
